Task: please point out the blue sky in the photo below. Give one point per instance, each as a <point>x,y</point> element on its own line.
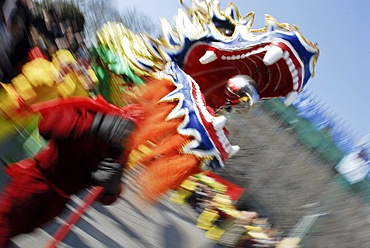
<point>341,28</point>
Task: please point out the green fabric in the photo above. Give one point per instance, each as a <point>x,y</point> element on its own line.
<point>310,139</point>
<point>331,153</point>
<point>267,104</point>
<point>275,106</point>
<point>7,128</point>
<point>117,64</point>
<point>364,188</point>
<point>33,143</point>
<point>10,127</point>
<point>304,126</point>
<point>290,117</point>
<point>103,85</point>
<point>111,62</point>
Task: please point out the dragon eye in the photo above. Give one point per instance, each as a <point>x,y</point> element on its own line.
<point>225,27</point>
<point>226,31</point>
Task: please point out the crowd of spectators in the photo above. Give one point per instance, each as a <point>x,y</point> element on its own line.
<point>25,24</point>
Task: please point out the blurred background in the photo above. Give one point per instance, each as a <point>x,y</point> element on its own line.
<point>303,167</point>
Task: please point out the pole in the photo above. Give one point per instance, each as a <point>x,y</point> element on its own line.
<point>64,229</point>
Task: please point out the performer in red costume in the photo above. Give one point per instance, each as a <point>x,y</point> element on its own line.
<point>85,148</point>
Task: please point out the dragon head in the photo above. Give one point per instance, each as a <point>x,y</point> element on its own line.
<point>214,46</point>
<point>228,62</point>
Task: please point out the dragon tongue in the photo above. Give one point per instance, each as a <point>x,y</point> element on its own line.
<point>273,54</point>
<point>208,57</point>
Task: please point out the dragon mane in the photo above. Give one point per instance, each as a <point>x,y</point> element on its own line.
<point>156,145</point>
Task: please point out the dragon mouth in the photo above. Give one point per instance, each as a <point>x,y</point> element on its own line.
<point>274,66</point>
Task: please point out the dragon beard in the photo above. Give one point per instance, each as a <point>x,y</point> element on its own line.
<point>156,147</point>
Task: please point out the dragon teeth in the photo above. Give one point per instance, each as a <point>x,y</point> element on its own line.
<point>208,57</point>
<point>234,150</point>
<point>219,122</point>
<point>295,86</point>
<point>273,54</point>
<point>290,98</point>
<point>294,73</point>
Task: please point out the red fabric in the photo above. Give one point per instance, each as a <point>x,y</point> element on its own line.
<point>70,156</point>
<point>35,53</point>
<point>65,123</point>
<point>14,169</point>
<point>38,188</point>
<point>25,203</point>
<point>133,112</point>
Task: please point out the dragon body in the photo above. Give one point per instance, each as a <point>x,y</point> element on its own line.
<point>210,60</point>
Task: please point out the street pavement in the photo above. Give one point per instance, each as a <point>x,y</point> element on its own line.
<point>127,223</point>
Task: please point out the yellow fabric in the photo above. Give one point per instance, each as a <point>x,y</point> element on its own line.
<point>206,179</point>
<point>217,186</point>
<point>214,233</point>
<point>230,211</point>
<point>223,200</point>
<point>258,235</point>
<point>40,72</point>
<point>180,196</point>
<point>144,149</point>
<point>67,87</point>
<point>23,87</point>
<point>63,56</point>
<point>189,185</point>
<point>254,228</point>
<point>8,98</point>
<point>206,219</point>
<point>93,76</point>
<point>289,243</point>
